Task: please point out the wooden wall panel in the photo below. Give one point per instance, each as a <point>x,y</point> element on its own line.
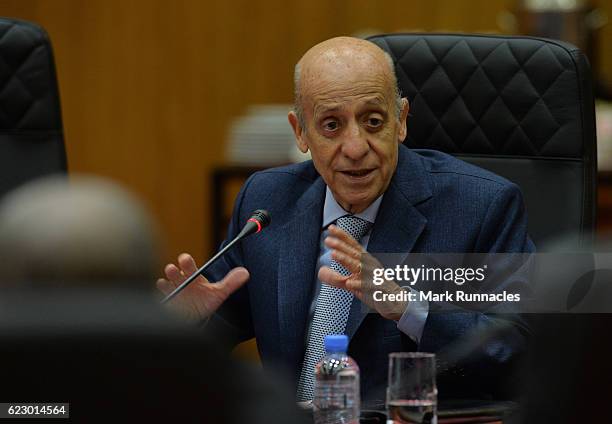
<point>605,40</point>
<point>149,87</point>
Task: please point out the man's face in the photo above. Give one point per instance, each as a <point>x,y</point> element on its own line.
<point>352,131</point>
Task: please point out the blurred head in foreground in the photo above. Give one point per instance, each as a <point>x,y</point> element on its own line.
<point>67,232</point>
<point>100,339</point>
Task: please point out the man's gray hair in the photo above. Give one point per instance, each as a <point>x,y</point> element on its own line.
<point>297,96</point>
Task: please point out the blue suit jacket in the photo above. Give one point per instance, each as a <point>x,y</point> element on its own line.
<point>434,203</point>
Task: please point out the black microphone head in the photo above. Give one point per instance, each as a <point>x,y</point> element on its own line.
<point>262,216</point>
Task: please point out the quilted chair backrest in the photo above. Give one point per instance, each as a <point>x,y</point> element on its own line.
<point>521,107</point>
<point>31,135</point>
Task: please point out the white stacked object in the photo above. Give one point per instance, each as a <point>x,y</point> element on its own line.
<point>263,137</point>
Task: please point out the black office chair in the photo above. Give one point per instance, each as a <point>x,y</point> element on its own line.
<point>31,135</point>
<point>520,107</point>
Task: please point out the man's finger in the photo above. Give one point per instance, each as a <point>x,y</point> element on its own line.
<point>353,284</point>
<point>233,280</point>
<point>335,231</point>
<point>187,264</point>
<point>349,262</point>
<point>173,274</point>
<point>336,243</point>
<point>165,286</point>
<point>328,276</point>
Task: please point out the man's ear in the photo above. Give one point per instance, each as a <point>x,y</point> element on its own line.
<point>298,131</point>
<point>402,118</point>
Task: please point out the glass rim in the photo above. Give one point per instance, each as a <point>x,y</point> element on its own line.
<point>411,355</point>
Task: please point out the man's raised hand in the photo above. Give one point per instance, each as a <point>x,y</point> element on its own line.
<point>350,254</point>
<point>200,299</point>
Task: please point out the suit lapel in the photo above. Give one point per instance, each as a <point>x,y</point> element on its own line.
<point>398,223</point>
<point>299,249</point>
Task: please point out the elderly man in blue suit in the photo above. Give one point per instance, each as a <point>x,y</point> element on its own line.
<point>362,191</point>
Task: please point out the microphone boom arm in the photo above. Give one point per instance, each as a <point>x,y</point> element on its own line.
<point>258,220</point>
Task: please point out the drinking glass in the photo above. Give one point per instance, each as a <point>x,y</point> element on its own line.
<point>412,393</point>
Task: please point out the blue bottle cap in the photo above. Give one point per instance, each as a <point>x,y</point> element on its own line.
<point>336,343</point>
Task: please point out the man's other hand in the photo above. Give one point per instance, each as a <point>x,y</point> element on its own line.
<point>350,254</point>
<point>200,299</point>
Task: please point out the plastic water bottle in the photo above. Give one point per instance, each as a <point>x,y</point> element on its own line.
<point>336,391</point>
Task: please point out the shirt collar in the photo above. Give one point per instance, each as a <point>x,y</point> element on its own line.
<point>332,210</point>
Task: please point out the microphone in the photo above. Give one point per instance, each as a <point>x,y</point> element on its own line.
<point>257,222</point>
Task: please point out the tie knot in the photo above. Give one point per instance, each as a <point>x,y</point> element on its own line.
<point>353,225</point>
